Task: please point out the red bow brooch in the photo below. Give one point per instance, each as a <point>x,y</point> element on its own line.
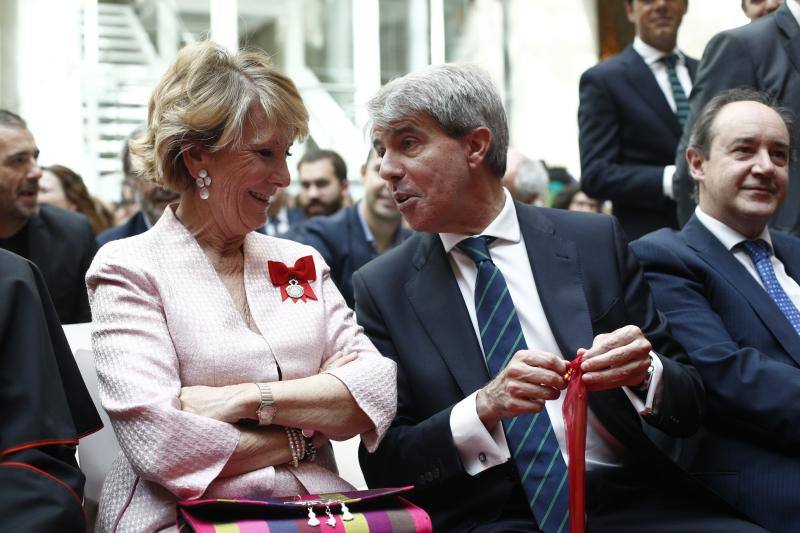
<point>293,281</point>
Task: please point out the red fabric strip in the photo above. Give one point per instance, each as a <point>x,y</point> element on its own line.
<point>574,411</point>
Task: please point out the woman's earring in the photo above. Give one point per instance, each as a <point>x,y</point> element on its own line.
<point>203,181</point>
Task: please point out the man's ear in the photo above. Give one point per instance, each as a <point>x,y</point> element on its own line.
<point>477,144</point>
<point>194,158</point>
<point>696,160</point>
<point>629,12</point>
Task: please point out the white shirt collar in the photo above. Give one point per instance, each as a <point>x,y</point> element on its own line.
<point>729,237</point>
<point>650,54</point>
<point>505,227</point>
<point>794,7</point>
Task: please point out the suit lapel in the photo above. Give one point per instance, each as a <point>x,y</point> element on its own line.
<point>791,31</point>
<point>641,78</point>
<point>556,271</point>
<point>437,300</point>
<point>722,260</point>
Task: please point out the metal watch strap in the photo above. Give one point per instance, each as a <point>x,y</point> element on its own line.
<point>266,409</point>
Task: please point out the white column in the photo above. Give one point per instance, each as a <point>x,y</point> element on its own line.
<point>437,32</point>
<point>224,23</point>
<point>168,32</point>
<point>49,80</point>
<point>418,34</point>
<point>366,55</point>
<point>293,42</point>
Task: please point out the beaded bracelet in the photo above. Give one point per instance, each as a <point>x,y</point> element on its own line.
<point>296,446</point>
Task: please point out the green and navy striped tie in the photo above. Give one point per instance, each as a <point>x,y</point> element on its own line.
<point>530,437</point>
<point>681,102</point>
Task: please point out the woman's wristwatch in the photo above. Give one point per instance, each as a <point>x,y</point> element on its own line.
<point>266,409</point>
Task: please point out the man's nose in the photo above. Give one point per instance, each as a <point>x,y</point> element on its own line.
<point>35,172</point>
<point>763,163</point>
<point>391,170</point>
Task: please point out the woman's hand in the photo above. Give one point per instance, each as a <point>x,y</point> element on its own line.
<point>226,404</point>
<point>338,360</point>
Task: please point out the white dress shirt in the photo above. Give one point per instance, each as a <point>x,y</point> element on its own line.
<point>652,58</point>
<point>794,7</point>
<point>731,239</point>
<point>478,448</point>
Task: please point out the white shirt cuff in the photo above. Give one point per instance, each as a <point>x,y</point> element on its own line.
<point>650,405</point>
<point>669,172</point>
<point>478,448</point>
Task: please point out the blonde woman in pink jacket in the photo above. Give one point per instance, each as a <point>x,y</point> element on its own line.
<point>215,344</point>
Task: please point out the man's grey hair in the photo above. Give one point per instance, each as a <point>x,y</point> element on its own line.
<point>11,120</point>
<point>532,178</point>
<point>458,97</point>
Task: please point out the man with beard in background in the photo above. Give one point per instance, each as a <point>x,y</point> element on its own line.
<point>357,234</point>
<point>59,242</point>
<point>323,183</point>
<point>151,198</point>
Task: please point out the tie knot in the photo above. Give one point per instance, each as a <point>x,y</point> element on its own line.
<point>671,60</point>
<point>477,248</point>
<point>757,249</point>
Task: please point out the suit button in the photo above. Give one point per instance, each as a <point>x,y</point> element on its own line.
<point>482,457</point>
<point>428,476</point>
<point>435,473</point>
<point>421,480</point>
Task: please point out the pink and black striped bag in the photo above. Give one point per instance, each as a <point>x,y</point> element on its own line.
<point>360,511</point>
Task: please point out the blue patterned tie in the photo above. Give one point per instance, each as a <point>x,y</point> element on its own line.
<point>681,102</point>
<point>530,437</point>
<point>759,253</point>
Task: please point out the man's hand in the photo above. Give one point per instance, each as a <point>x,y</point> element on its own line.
<point>616,359</point>
<point>529,379</point>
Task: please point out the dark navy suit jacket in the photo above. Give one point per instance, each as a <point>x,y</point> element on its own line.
<point>749,358</point>
<point>133,226</point>
<point>409,304</point>
<point>627,135</point>
<point>341,241</point>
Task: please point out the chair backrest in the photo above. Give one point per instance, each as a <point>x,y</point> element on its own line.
<point>98,451</point>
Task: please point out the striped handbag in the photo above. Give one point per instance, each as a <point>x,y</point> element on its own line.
<point>367,511</point>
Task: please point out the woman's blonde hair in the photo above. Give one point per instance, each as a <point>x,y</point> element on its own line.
<point>202,100</point>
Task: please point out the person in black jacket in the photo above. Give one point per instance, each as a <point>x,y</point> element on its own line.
<point>59,242</point>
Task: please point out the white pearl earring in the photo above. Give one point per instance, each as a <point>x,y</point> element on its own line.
<point>203,181</point>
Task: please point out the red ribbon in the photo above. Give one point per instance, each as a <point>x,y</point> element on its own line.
<point>302,272</point>
<point>574,411</point>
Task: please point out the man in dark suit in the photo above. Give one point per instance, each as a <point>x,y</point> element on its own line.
<point>355,235</point>
<point>729,287</point>
<point>59,242</point>
<point>151,198</point>
<point>763,55</point>
<point>482,438</point>
<point>630,119</point>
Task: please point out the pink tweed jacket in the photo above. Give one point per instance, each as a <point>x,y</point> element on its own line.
<point>162,319</point>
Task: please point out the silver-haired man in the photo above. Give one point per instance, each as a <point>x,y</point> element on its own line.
<point>483,308</point>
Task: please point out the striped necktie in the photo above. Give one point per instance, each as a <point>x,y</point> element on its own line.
<point>530,437</point>
<point>759,252</point>
<point>681,102</point>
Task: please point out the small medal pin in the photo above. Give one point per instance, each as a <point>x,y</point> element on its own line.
<point>294,290</point>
